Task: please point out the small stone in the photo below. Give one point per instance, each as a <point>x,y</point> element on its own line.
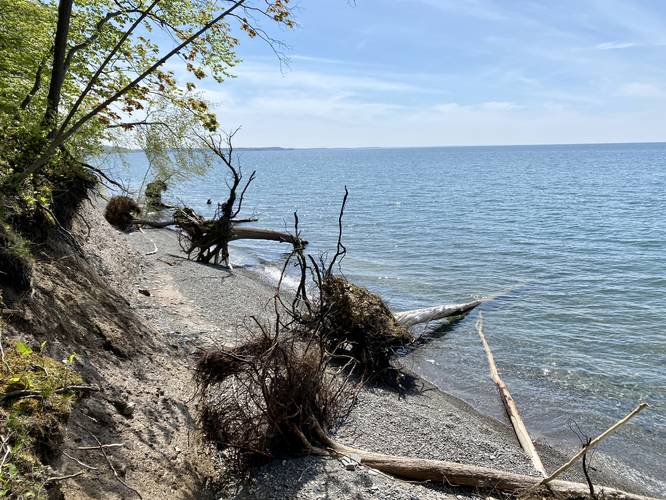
<point>351,461</point>
<point>124,408</point>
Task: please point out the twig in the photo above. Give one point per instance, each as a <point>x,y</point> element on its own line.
<point>111,445</point>
<point>154,250</point>
<point>7,449</point>
<point>24,393</point>
<point>593,443</point>
<point>511,409</point>
<point>62,478</point>
<point>2,350</point>
<point>79,461</point>
<point>587,472</point>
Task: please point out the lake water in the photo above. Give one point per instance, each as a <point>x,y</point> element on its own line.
<point>576,234</point>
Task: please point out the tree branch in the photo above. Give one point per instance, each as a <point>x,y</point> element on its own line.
<point>38,81</point>
<point>64,134</point>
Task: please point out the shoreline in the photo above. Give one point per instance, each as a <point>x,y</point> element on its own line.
<point>553,451</point>
<point>434,424</point>
<point>137,321</point>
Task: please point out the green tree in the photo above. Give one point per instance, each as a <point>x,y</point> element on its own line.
<point>74,73</point>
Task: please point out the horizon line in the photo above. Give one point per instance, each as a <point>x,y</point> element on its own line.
<point>305,148</point>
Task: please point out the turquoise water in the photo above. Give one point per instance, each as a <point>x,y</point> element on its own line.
<point>577,233</point>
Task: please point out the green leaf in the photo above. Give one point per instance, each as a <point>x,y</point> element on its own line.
<point>13,471</point>
<point>70,359</point>
<point>23,349</point>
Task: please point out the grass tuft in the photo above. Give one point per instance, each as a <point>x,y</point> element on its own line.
<point>32,415</point>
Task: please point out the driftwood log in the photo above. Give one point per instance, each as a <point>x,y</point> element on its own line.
<point>593,443</point>
<point>455,474</point>
<point>416,316</point>
<point>510,405</point>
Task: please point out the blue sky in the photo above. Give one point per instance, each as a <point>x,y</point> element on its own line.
<point>454,72</point>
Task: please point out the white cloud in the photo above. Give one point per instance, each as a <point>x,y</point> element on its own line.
<point>616,45</point>
<point>267,76</point>
<point>499,105</point>
<point>643,90</point>
<point>293,119</point>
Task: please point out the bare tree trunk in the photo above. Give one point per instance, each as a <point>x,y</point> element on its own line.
<point>510,405</point>
<point>58,69</point>
<point>450,473</point>
<point>416,316</point>
<point>251,233</point>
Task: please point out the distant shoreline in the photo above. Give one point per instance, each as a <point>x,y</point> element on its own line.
<point>114,149</point>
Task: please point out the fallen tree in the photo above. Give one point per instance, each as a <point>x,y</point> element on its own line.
<point>206,239</point>
<point>416,316</point>
<point>282,391</point>
<point>509,404</point>
<point>278,395</point>
<point>483,478</point>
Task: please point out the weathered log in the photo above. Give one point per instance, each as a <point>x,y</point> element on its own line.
<point>160,224</point>
<point>416,316</point>
<point>509,404</point>
<point>252,233</point>
<point>455,474</point>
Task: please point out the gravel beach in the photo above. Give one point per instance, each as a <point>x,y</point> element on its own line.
<point>203,305</point>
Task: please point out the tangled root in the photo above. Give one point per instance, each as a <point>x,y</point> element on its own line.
<point>272,396</point>
<point>359,325</point>
<point>120,212</point>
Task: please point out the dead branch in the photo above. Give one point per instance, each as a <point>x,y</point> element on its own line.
<point>110,445</point>
<point>62,478</point>
<point>82,464</point>
<point>594,442</point>
<point>102,448</point>
<point>24,393</point>
<point>509,404</point>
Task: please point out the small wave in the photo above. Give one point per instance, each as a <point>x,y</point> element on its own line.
<point>273,273</point>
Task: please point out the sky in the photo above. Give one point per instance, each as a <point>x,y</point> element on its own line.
<point>453,72</point>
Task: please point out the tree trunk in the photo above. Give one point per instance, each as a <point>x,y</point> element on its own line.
<point>450,473</point>
<point>416,316</point>
<point>251,233</point>
<point>509,404</point>
<point>58,69</point>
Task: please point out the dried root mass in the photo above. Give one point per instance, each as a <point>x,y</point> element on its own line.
<point>120,212</point>
<point>356,323</point>
<point>268,397</point>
